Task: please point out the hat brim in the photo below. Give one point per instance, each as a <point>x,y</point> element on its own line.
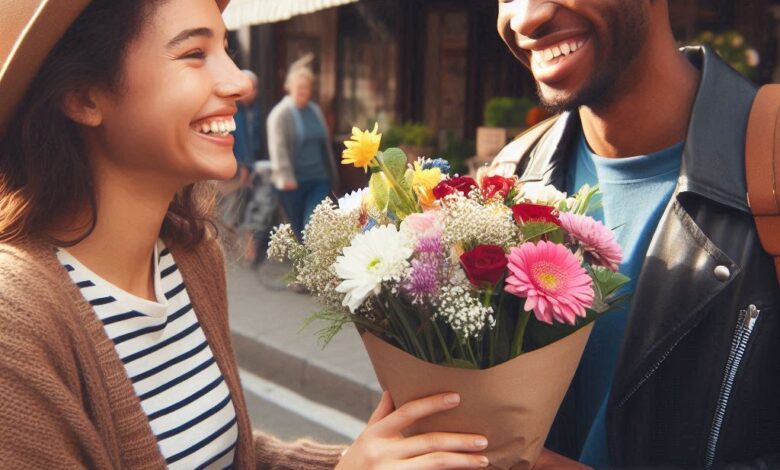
<point>30,30</point>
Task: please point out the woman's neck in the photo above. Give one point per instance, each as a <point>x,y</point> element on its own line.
<point>131,210</point>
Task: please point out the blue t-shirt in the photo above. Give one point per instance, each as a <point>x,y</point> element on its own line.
<point>635,191</point>
<point>311,157</point>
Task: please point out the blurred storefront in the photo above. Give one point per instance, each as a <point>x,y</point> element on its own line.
<point>435,62</point>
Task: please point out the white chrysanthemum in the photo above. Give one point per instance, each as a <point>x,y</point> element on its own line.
<point>377,255</point>
<point>463,312</point>
<point>538,193</point>
<point>353,200</point>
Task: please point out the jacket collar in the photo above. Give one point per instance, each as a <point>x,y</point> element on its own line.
<point>716,132</point>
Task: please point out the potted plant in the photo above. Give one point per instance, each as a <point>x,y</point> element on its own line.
<point>505,118</point>
<point>414,138</point>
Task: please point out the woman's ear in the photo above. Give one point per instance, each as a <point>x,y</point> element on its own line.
<point>81,106</point>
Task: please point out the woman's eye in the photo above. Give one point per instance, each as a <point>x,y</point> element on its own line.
<point>196,54</point>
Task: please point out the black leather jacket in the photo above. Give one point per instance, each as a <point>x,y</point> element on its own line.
<point>698,380</point>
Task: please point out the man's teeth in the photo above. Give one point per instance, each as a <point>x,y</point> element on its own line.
<point>221,127</point>
<point>564,48</point>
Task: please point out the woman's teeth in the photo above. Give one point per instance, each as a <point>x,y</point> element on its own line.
<point>221,127</point>
<point>562,49</point>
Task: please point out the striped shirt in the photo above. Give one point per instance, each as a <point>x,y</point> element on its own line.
<point>169,362</point>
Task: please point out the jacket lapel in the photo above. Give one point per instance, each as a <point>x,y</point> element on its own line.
<point>676,284</point>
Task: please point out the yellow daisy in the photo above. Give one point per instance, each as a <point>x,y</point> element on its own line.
<point>423,182</point>
<point>362,148</point>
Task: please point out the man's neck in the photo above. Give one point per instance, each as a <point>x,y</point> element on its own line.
<point>651,111</point>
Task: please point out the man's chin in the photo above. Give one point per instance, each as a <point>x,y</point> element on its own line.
<point>556,101</point>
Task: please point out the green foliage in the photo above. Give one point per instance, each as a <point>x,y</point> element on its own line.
<point>395,162</point>
<point>734,49</point>
<point>534,231</point>
<point>409,133</point>
<point>334,323</point>
<point>507,112</point>
<point>457,151</point>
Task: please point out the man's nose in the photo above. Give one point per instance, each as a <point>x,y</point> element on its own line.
<point>528,16</point>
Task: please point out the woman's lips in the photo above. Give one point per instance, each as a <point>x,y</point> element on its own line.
<point>221,140</point>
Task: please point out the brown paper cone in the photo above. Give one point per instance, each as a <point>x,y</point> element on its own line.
<point>513,404</point>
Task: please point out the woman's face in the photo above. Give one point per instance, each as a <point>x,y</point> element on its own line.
<point>301,90</point>
<point>171,119</point>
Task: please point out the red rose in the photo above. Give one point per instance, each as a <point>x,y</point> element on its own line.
<point>525,213</point>
<point>461,184</point>
<point>484,264</point>
<point>492,185</point>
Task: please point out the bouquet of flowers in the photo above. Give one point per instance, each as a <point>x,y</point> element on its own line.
<point>487,288</point>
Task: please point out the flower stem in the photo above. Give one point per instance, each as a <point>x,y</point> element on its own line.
<point>517,342</point>
<point>444,345</point>
<point>472,356</point>
<point>409,329</point>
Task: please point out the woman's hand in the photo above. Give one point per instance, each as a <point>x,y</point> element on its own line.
<point>289,186</point>
<point>382,447</point>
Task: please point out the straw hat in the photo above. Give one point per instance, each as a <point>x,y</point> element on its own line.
<point>29,30</point>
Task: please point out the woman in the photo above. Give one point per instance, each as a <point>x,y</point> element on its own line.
<point>304,170</point>
<point>114,345</point>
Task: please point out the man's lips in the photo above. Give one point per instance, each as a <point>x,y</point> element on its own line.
<point>551,61</point>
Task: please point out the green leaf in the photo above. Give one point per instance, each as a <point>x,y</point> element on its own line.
<point>539,334</point>
<point>394,161</point>
<point>535,230</point>
<point>608,281</point>
<point>380,191</point>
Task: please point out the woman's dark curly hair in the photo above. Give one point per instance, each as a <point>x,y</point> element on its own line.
<point>45,176</point>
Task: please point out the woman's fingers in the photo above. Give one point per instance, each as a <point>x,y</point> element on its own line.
<point>407,414</point>
<point>444,461</point>
<point>438,442</point>
<point>384,408</point>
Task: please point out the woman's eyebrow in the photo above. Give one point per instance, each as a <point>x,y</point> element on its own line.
<point>188,33</point>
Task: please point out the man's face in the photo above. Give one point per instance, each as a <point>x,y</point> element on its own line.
<point>577,50</point>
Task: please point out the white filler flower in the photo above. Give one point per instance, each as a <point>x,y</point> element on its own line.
<point>378,255</point>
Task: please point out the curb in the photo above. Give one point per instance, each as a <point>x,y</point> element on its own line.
<point>305,377</point>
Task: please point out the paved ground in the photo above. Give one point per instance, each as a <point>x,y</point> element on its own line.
<point>266,320</point>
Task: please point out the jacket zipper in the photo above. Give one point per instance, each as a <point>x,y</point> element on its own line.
<point>745,324</point>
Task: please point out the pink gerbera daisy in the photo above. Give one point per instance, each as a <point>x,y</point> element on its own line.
<point>554,284</point>
<point>597,240</point>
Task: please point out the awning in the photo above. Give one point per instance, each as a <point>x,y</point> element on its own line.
<point>250,12</point>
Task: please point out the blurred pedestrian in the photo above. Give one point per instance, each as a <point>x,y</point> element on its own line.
<point>302,161</point>
<point>254,201</point>
<point>115,351</point>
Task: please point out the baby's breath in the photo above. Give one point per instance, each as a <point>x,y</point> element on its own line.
<point>464,312</point>
<point>467,222</point>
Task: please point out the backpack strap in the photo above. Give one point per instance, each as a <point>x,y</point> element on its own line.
<point>762,165</point>
<point>510,158</point>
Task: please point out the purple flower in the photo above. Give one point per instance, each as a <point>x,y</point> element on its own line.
<point>423,279</point>
<point>429,246</point>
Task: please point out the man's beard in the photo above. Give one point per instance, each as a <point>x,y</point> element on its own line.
<point>604,84</point>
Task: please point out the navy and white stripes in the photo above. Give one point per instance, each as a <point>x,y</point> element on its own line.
<point>169,362</point>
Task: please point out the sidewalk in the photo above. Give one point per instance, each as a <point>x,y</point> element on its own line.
<point>265,319</point>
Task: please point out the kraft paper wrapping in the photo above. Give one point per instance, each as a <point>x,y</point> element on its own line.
<point>513,404</point>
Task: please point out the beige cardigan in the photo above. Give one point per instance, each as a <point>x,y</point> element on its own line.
<point>65,398</point>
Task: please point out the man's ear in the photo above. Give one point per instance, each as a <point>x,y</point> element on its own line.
<point>81,106</point>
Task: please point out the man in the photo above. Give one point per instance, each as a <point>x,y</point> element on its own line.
<point>688,374</point>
